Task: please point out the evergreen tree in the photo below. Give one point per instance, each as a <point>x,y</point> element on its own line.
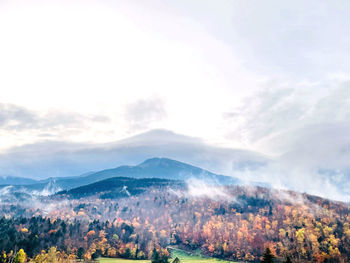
<point>80,253</point>
<point>155,256</point>
<point>127,253</point>
<point>95,256</point>
<point>267,257</point>
<point>164,259</point>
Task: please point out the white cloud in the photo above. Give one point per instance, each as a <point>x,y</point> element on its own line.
<point>198,188</point>
<point>145,112</point>
<point>306,128</point>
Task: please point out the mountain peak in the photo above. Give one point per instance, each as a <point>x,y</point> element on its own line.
<point>161,161</point>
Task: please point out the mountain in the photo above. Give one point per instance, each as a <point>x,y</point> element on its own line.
<point>58,159</point>
<point>154,171</point>
<point>151,168</point>
<point>162,168</point>
<point>61,159</point>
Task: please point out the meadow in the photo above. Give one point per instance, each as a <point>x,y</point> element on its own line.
<point>182,255</point>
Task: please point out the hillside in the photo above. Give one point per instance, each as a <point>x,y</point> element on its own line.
<point>127,217</point>
<point>119,187</point>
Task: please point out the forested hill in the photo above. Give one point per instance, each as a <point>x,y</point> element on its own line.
<point>228,222</point>
<point>119,187</point>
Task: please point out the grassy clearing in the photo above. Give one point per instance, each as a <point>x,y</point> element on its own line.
<point>182,255</point>
<point>194,257</point>
<point>121,260</point>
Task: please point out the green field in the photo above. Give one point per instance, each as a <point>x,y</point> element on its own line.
<point>121,260</point>
<point>194,257</point>
<point>183,256</point>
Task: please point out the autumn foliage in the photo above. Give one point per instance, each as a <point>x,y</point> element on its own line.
<point>240,227</point>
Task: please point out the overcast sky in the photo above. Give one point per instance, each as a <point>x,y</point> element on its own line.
<point>268,76</point>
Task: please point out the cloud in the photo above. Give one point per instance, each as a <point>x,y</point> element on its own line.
<point>280,109</point>
<point>142,113</point>
<point>13,117</point>
<point>265,114</point>
<point>48,158</point>
<point>19,124</point>
<point>306,129</point>
<point>310,167</point>
<point>198,188</point>
<point>130,53</point>
<point>316,160</point>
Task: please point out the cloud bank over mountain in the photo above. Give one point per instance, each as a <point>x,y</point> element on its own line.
<point>298,170</point>
<point>48,159</point>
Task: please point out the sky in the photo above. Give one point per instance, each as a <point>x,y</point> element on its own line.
<point>270,77</point>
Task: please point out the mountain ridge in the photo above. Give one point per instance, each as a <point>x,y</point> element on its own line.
<point>156,167</point>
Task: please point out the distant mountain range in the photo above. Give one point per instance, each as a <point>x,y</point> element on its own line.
<point>161,168</point>
<point>13,180</point>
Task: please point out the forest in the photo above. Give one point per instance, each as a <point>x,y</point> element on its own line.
<point>238,225</point>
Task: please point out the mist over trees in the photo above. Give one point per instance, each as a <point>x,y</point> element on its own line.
<point>241,225</point>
